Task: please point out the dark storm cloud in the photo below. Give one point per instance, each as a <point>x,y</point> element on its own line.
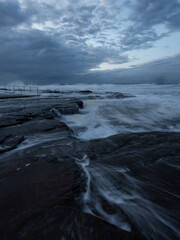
<point>11,14</point>
<point>44,41</point>
<point>41,58</point>
<point>145,16</point>
<point>148,13</point>
<point>88,21</point>
<point>59,54</point>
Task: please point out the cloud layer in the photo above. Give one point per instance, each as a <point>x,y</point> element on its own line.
<point>60,41</point>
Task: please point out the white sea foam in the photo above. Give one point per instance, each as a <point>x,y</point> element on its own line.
<point>154,108</point>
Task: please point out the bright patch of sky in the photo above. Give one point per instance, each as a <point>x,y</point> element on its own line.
<point>164,48</point>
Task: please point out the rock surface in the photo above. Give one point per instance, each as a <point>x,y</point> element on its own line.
<point>42,184</point>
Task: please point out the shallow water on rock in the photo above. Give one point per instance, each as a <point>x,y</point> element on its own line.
<point>115,196</point>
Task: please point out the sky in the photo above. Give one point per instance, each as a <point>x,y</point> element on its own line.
<point>89,41</point>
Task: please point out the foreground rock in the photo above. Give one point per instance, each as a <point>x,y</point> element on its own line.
<point>38,203</point>
<point>43,181</point>
<point>141,171</point>
<point>40,181</point>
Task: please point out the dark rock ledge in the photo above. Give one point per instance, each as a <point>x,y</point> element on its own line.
<point>41,184</point>
<point>39,179</point>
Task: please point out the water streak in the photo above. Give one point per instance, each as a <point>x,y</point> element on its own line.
<point>115,196</point>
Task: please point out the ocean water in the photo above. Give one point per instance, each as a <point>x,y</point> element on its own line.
<point>149,107</point>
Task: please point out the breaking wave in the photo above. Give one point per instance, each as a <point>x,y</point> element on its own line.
<point>152,109</point>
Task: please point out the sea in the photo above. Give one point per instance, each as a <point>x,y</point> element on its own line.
<point>143,108</point>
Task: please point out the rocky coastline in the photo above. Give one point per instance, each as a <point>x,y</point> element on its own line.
<point>41,182</point>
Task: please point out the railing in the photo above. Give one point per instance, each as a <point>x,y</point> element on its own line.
<point>19,89</point>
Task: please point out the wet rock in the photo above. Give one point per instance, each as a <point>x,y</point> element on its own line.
<point>51,91</point>
<point>66,222</point>
<point>15,96</point>
<point>141,171</point>
<point>42,186</point>
<point>10,143</point>
<point>30,191</point>
<point>86,91</point>
<point>71,109</point>
<point>117,95</point>
<point>78,102</point>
